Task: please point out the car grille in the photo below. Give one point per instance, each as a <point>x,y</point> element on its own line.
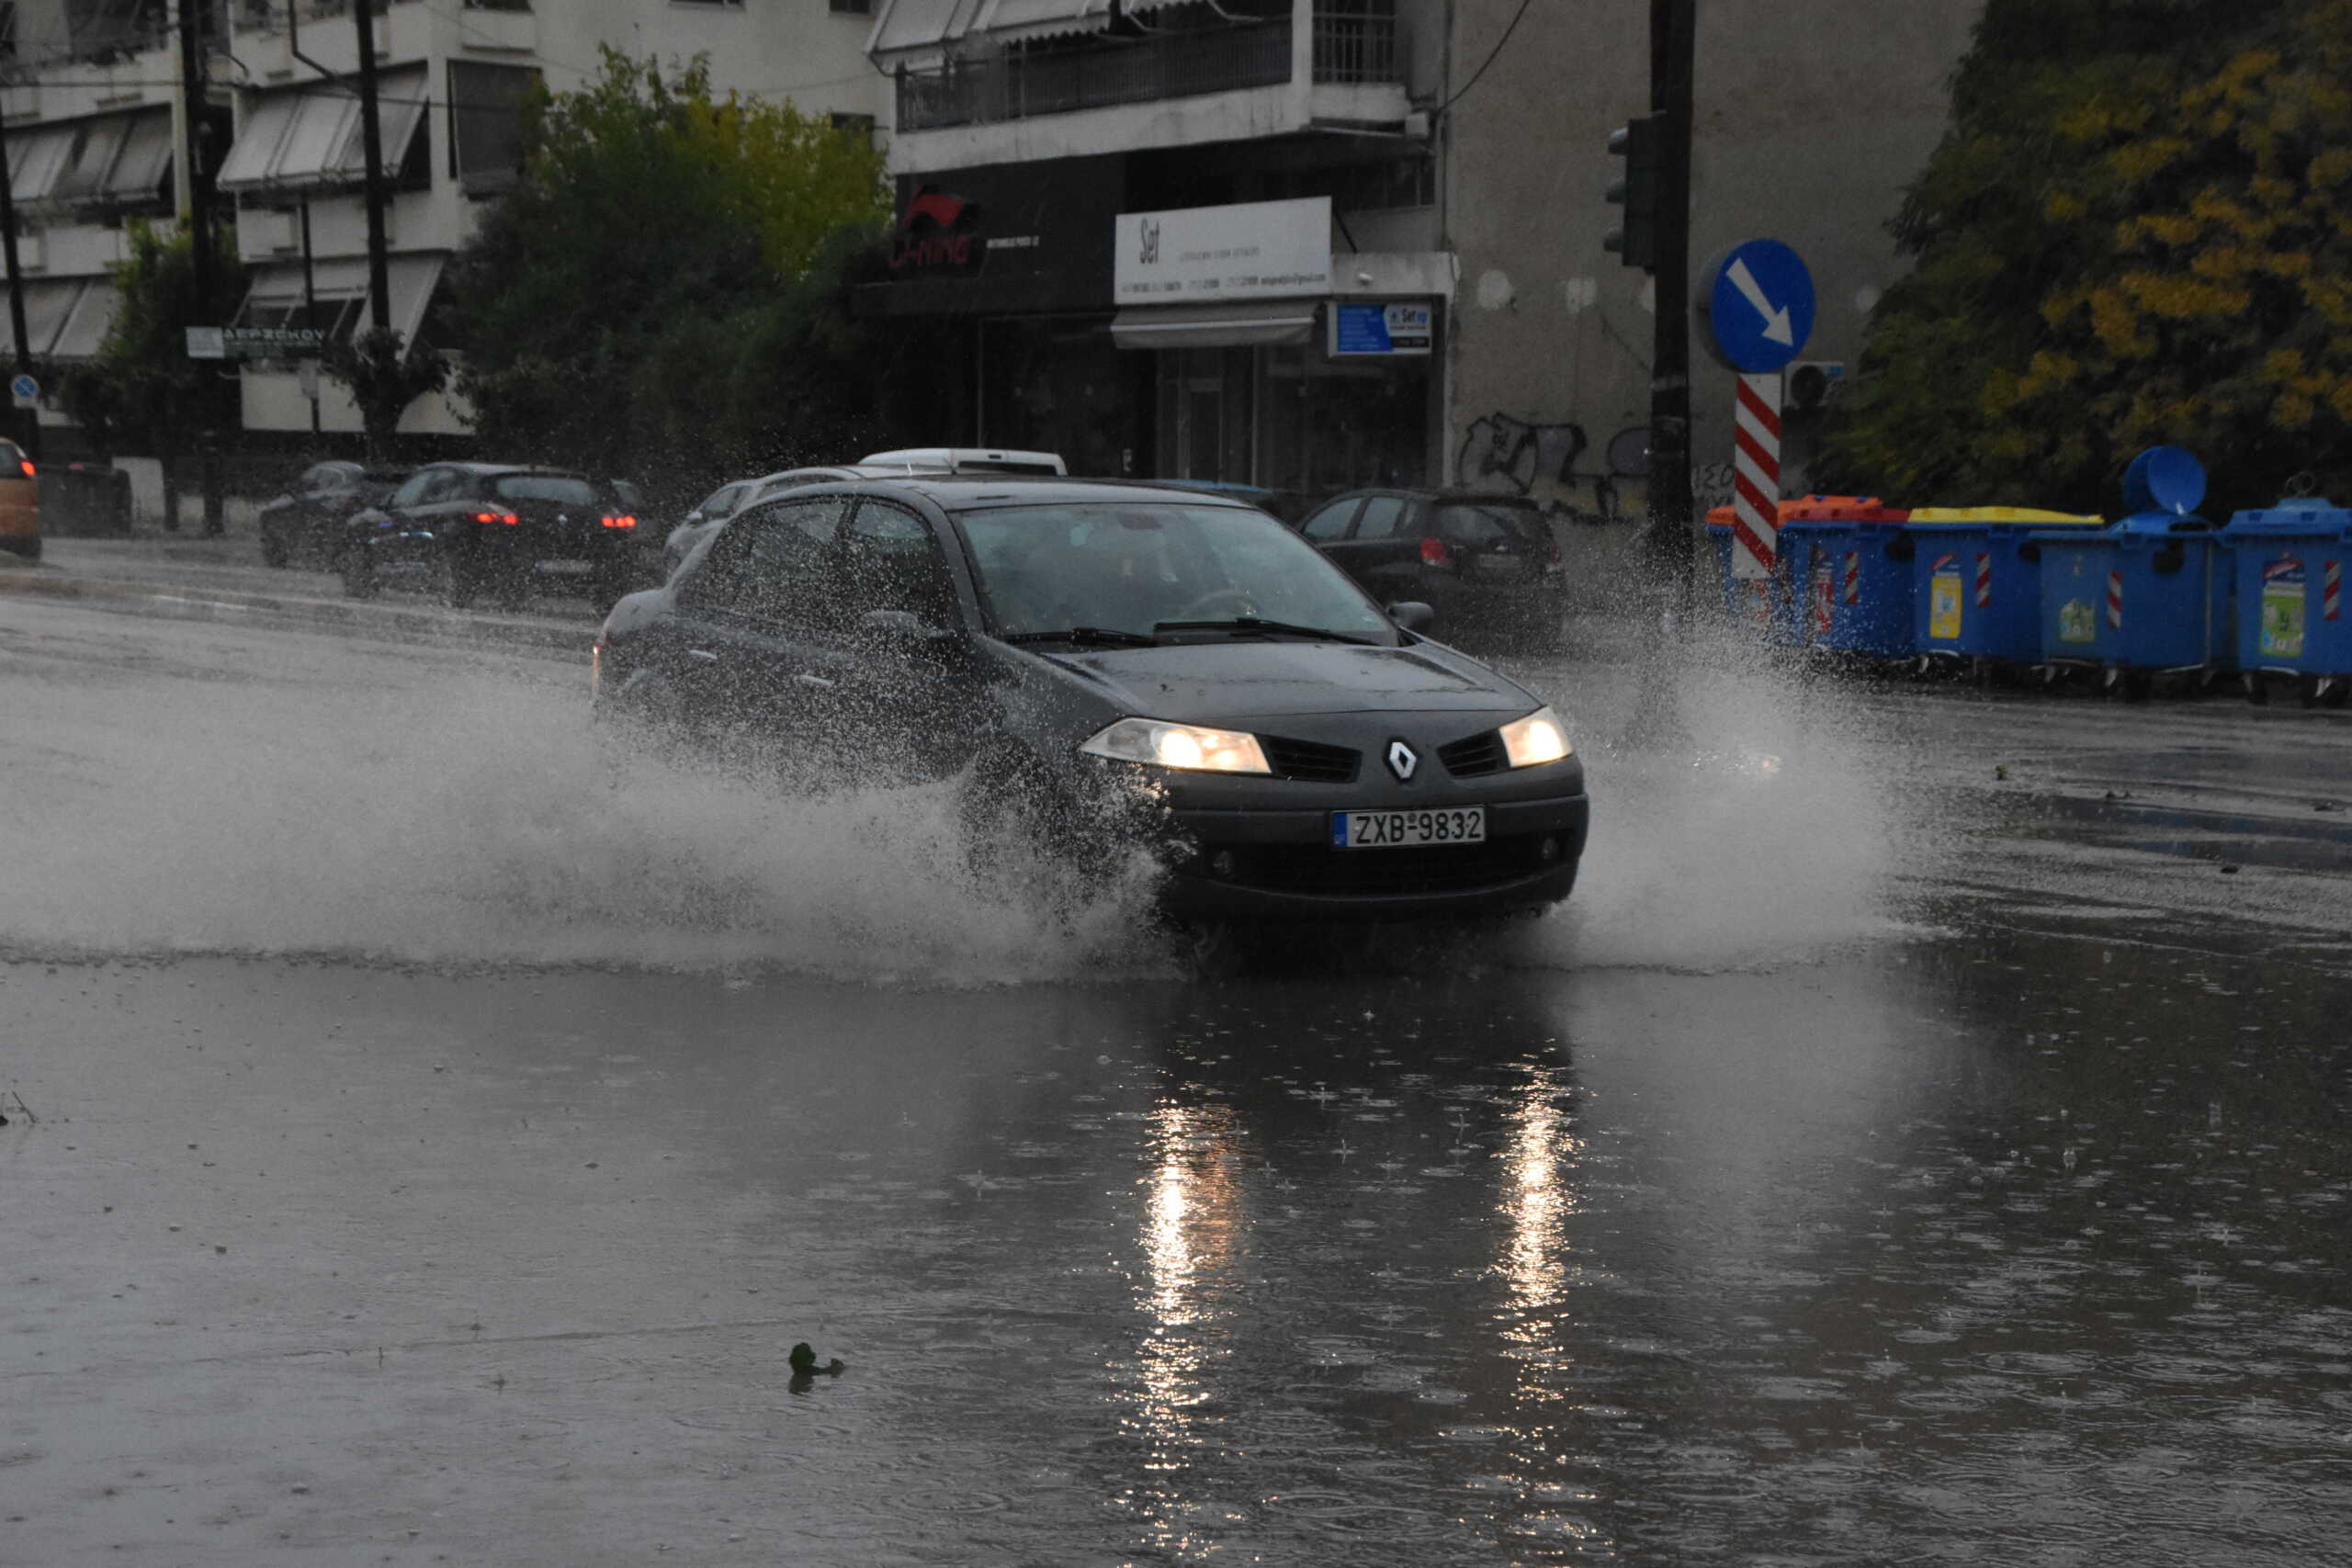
<point>1436,868</point>
<point>1479,753</point>
<point>1309,760</point>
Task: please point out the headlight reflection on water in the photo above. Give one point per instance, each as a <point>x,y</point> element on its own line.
<point>1192,1223</point>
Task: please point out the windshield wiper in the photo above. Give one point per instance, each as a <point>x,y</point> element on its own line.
<point>1260,624</point>
<point>1099,637</point>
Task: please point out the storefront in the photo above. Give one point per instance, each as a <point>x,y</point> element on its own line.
<point>1275,363</point>
<point>1217,344</point>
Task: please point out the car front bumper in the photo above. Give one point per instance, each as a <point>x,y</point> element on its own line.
<point>1249,864</point>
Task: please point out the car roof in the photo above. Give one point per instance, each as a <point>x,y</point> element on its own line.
<point>504,469</point>
<point>966,492</point>
<point>946,459</point>
<point>1414,492</point>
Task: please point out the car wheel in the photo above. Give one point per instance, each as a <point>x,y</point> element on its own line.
<point>1023,832</point>
<point>359,575</point>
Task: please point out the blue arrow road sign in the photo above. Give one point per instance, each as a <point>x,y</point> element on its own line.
<point>24,386</point>
<point>1759,306</point>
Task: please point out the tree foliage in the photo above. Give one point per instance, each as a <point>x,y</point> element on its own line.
<point>2138,230</point>
<point>664,285</point>
<point>141,388</point>
<point>383,380</point>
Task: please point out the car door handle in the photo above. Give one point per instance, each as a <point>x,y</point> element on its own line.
<point>702,653</point>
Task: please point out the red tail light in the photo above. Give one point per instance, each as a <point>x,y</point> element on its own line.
<point>29,470</point>
<point>620,521</point>
<point>507,517</point>
<point>1434,553</point>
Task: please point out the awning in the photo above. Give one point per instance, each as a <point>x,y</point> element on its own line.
<point>1244,324</point>
<point>85,328</point>
<point>309,137</point>
<point>921,32</point>
<point>410,281</point>
<point>47,302</point>
<point>103,159</point>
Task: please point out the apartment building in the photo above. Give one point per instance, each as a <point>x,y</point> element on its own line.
<point>92,103</point>
<point>1317,244</point>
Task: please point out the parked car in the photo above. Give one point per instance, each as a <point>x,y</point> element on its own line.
<point>1487,564</point>
<point>470,528</point>
<point>1148,662</point>
<point>911,463</point>
<point>19,503</point>
<point>306,523</point>
<point>1286,505</point>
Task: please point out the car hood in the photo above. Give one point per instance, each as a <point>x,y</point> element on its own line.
<point>1213,682</point>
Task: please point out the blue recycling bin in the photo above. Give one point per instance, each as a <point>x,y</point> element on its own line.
<point>1849,575</point>
<point>1975,581</point>
<point>2290,563</point>
<point>2156,594</point>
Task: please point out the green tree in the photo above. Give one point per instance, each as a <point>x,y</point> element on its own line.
<point>383,380</point>
<point>661,241</point>
<point>2138,230</point>
<point>141,388</point>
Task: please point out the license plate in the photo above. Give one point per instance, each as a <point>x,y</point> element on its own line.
<point>1400,830</point>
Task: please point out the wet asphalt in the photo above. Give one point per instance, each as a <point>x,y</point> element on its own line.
<point>1927,1138</point>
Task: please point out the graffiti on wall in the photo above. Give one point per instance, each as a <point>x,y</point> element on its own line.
<point>1512,455</point>
<point>1711,485</point>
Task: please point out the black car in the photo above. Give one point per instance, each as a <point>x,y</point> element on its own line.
<point>1180,666</point>
<point>306,523</point>
<point>473,528</point>
<point>1487,564</point>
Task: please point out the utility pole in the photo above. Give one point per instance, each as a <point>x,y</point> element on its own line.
<point>30,436</point>
<point>202,256</point>
<point>371,141</point>
<point>1671,530</point>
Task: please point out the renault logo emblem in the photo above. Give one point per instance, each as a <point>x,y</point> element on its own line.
<point>1402,761</point>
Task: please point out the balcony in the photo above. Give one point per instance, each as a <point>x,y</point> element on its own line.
<point>1355,43</point>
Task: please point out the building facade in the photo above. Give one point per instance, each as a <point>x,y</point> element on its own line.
<point>92,103</point>
<point>1117,170</point>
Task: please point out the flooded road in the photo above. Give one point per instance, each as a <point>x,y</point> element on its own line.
<point>428,1142</point>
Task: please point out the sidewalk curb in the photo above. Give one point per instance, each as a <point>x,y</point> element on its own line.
<point>392,622</point>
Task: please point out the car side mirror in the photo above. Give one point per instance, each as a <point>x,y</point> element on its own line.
<point>902,628</point>
<point>1413,615</point>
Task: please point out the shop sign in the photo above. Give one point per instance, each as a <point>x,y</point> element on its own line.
<point>938,233</point>
<point>1257,250</point>
<point>254,343</point>
<point>1362,328</point>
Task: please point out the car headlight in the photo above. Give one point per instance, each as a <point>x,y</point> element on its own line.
<point>1188,747</point>
<point>1538,738</point>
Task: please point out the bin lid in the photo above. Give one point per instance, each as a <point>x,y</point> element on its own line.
<point>2164,478</point>
<point>1841,509</point>
<point>2302,517</point>
<point>2025,516</point>
<point>2163,523</point>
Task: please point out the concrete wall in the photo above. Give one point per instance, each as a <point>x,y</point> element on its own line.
<point>1813,114</point>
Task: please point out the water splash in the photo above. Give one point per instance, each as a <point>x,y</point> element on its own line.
<point>485,820</point>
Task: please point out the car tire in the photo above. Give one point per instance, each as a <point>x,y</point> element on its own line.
<point>359,575</point>
<point>1022,832</point>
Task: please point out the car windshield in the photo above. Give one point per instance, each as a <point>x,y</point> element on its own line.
<point>1132,567</point>
<point>558,488</point>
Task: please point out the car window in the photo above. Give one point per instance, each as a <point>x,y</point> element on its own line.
<point>1127,565</point>
<point>626,493</point>
<point>770,563</point>
<point>419,486</point>
<point>1383,516</point>
<point>564,490</point>
<point>1484,525</point>
<point>891,561</point>
<point>1331,522</point>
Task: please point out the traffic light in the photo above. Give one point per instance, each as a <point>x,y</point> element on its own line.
<point>1640,143</point>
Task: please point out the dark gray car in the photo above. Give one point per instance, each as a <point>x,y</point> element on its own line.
<point>1177,665</point>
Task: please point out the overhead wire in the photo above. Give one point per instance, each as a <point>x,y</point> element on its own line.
<point>1492,55</point>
